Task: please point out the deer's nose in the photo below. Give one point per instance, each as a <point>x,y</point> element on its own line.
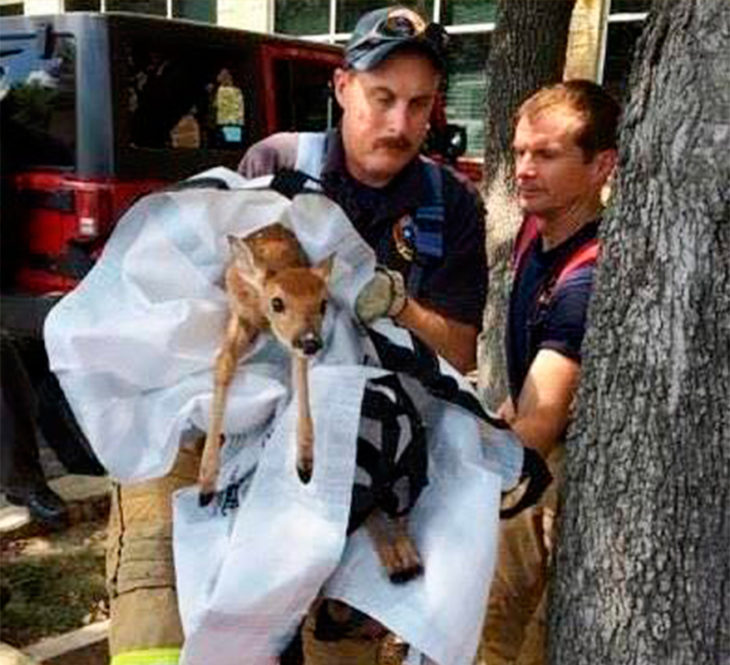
<point>309,344</point>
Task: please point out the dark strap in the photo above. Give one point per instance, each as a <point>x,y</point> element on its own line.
<point>538,477</point>
<point>429,217</point>
<point>422,364</point>
<point>290,182</point>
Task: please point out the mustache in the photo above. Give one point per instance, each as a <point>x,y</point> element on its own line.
<point>393,143</point>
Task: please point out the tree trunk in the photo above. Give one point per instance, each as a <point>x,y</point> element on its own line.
<point>527,51</point>
<point>642,569</point>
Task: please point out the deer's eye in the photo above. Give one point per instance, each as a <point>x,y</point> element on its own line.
<point>323,307</point>
<point>277,304</point>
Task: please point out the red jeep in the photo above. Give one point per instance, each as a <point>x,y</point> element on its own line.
<point>100,109</point>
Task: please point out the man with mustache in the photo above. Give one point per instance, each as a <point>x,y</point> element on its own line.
<point>370,165</point>
<point>394,67</point>
<point>565,150</point>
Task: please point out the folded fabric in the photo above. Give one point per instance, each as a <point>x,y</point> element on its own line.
<point>133,347</point>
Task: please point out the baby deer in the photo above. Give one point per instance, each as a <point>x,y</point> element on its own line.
<point>270,286</point>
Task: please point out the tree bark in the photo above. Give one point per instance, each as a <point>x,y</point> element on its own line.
<point>527,51</point>
<point>642,568</point>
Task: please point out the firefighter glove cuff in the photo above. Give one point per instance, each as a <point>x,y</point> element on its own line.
<point>384,295</point>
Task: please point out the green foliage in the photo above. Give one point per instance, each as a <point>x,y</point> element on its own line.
<point>51,594</point>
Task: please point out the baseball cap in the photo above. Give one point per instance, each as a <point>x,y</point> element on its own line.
<point>382,31</point>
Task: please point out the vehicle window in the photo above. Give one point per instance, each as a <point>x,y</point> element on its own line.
<point>187,98</point>
<point>38,93</point>
<point>303,96</point>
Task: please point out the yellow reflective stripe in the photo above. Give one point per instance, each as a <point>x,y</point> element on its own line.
<point>167,656</point>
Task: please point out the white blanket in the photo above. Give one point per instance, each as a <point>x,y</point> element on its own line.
<point>133,348</point>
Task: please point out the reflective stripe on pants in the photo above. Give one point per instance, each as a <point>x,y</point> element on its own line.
<point>148,657</point>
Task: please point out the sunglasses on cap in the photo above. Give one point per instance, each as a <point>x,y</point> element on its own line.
<point>384,30</point>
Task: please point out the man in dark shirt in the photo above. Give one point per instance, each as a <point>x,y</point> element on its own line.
<point>565,151</point>
<point>370,165</point>
<point>558,325</point>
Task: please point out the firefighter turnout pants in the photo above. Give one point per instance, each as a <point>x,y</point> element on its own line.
<point>145,621</point>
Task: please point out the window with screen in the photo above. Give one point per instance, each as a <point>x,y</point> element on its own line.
<point>459,12</point>
<point>149,7</point>
<point>349,11</point>
<point>630,6</point>
<point>82,5</point>
<point>467,86</point>
<point>625,25</point>
<point>11,9</point>
<point>204,11</point>
<point>620,46</point>
<point>303,17</point>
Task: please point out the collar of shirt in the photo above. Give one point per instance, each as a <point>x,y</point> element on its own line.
<point>568,246</point>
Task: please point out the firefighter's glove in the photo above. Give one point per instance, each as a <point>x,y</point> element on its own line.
<point>384,295</point>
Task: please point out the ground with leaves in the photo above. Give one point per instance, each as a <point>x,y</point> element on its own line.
<point>56,583</point>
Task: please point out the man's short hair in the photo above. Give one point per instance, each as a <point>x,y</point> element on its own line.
<point>597,110</point>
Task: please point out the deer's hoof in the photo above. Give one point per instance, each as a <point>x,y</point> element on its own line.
<point>204,498</point>
<point>304,473</point>
<point>404,575</point>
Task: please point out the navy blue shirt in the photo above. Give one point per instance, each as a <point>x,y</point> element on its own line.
<point>558,325</point>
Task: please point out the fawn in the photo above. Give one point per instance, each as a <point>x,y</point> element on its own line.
<point>270,286</point>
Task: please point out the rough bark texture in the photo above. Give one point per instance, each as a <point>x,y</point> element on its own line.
<point>642,570</point>
<point>527,51</point>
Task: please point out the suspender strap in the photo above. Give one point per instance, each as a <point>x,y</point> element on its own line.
<point>311,150</point>
<point>586,255</point>
<point>428,223</point>
<point>526,236</point>
<point>429,218</point>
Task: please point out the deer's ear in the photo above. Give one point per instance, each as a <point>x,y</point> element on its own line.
<point>324,268</point>
<point>244,259</point>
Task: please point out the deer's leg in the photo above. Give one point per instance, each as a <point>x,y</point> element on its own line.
<point>305,427</point>
<point>239,336</point>
<point>396,551</point>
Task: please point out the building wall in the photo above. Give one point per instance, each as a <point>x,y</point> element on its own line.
<point>42,7</point>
